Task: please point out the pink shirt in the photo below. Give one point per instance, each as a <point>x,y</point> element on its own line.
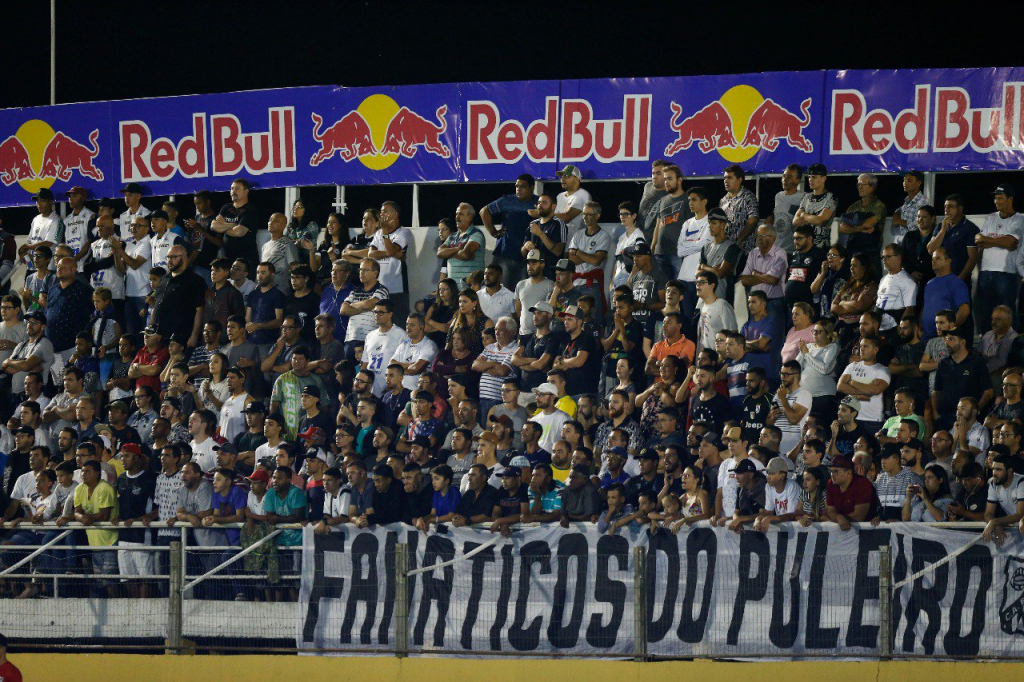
<point>791,348</point>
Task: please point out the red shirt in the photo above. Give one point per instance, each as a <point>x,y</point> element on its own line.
<point>860,491</point>
<point>159,359</point>
<point>9,673</point>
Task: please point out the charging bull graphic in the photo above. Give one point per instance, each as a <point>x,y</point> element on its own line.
<point>14,162</point>
<point>408,130</point>
<point>711,128</point>
<point>770,123</point>
<point>350,136</point>
<point>64,154</point>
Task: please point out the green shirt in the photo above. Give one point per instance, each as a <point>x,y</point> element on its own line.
<point>287,390</point>
<point>103,497</point>
<point>892,425</point>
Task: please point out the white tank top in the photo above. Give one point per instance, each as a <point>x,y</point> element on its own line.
<point>232,420</point>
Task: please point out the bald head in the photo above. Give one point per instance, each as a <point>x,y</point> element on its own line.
<point>66,269</point>
<point>276,225</point>
<point>176,258</point>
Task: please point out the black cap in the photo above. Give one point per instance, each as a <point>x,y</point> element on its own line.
<point>421,441</point>
<point>641,248</point>
<point>179,338</point>
<point>962,331</point>
<point>37,315</point>
<point>509,472</point>
<point>156,215</point>
<point>816,169</point>
<point>106,203</point>
<point>134,188</point>
<point>747,466</point>
<point>349,428</point>
<point>255,407</point>
<point>226,447</point>
<point>1005,188</point>
<point>311,390</point>
<point>27,430</point>
<point>151,329</point>
<point>648,453</point>
<point>383,471</point>
<point>717,214</point>
<point>43,193</point>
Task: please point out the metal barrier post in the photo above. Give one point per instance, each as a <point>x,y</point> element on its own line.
<point>174,616</point>
<point>639,604</point>
<point>885,600</point>
<point>401,600</point>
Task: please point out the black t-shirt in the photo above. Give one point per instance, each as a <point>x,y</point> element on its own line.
<point>197,240</point>
<point>582,379</point>
<point>754,415</point>
<point>714,411</point>
<point>322,420</point>
<point>475,504</point>
<point>638,484</point>
<point>242,247</point>
<point>418,504</point>
<point>803,268</point>
<point>556,231</point>
<point>974,502</point>
<point>845,440</point>
<point>176,313</point>
<point>535,348</point>
<point>510,501</point>
<point>956,380</point>
<point>134,498</point>
<point>306,308</point>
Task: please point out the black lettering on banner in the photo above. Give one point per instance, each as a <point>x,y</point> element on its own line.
<point>570,547</point>
<point>926,552</point>
<point>478,563</point>
<point>698,540</point>
<point>977,557</point>
<point>865,588</point>
<point>817,637</point>
<point>668,544</point>
<point>899,574</point>
<point>364,588</point>
<point>609,591</point>
<point>782,634</point>
<point>749,587</point>
<point>435,589</point>
<point>412,539</point>
<point>528,639</point>
<point>504,597</point>
<point>323,587</point>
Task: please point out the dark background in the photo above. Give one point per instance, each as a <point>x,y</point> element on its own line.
<point>111,49</point>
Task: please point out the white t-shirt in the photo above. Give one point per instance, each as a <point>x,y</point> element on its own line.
<point>25,487</point>
<point>621,274</point>
<point>378,349</point>
<point>692,238</point>
<point>337,505</point>
<point>590,244</point>
<point>76,231</point>
<point>895,292</point>
<point>44,229</point>
<point>160,246</point>
<point>267,451</point>
<point>728,485</point>
<point>994,259</point>
<point>391,268</point>
<point>500,304</point>
<point>565,201</point>
<point>137,279</point>
<point>713,319</point>
<point>1007,497</point>
<point>125,221</point>
<point>551,425</point>
<point>791,432</point>
<point>870,410</point>
<point>255,504</point>
<point>786,502</point>
<point>203,454</point>
<point>408,351</point>
<point>110,277</point>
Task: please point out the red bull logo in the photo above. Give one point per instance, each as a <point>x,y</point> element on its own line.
<point>765,124</point>
<point>36,156</point>
<point>378,132</point>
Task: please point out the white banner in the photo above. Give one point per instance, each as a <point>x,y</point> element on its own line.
<point>710,592</point>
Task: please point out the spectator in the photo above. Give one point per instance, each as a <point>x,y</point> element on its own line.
<point>782,496</point>
<point>750,501</point>
<point>833,275</point>
<point>464,249</point>
<point>996,342</point>
<point>382,343</point>
<point>547,234</point>
<point>855,297</point>
<point>631,236</point>
<point>790,407</point>
<point>813,496</point>
<point>286,503</point>
<point>96,501</point>
<point>945,291</point>
<point>674,210</point>
<point>303,304</point>
<point>68,308</point>
<point>572,201</point>
<point>929,501</point>
<point>766,271</point>
<point>238,222</point>
<point>817,207</point>
<point>917,261</point>
<point>997,241</point>
<point>1005,505</point>
<point>893,484</point>
<point>264,309</point>
<point>494,364</point>
<point>715,314</point>
<point>860,228</point>
<point>962,373</point>
<point>495,300</point>
<point>720,256</point>
<point>866,380</point>
<point>905,366</point>
<point>801,333</point>
<point>46,230</point>
<point>654,191</point>
<point>787,202</point>
<point>971,499</point>
<point>957,234</point>
<point>587,250</point>
<point>850,497</point>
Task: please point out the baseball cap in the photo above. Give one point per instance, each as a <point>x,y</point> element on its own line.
<point>388,432</point>
<point>503,419</point>
<point>311,390</point>
<point>546,387</point>
<point>316,453</point>
<point>43,193</point>
<point>36,315</point>
<point>151,329</point>
<point>134,188</point>
<point>255,407</point>
<point>641,249</point>
<point>565,265</point>
<point>314,434</point>
<point>421,441</point>
<point>133,448</point>
<point>118,405</point>
<point>260,475</point>
<point>747,466</point>
<point>841,462</point>
<point>159,215</point>
<point>488,437</point>
<point>223,447</point>
<point>961,332</point>
<point>77,189</point>
<point>569,170</point>
<point>542,307</point>
<point>620,451</point>
<point>717,214</point>
<point>648,453</point>
<point>817,169</point>
<point>509,472</point>
<point>571,311</point>
<point>179,339</point>
<point>733,432</point>
<point>423,395</point>
<point>777,465</point>
<point>851,403</point>
<point>106,203</point>
<point>534,255</point>
<point>1005,188</point>
<point>714,439</point>
<point>383,471</point>
<point>521,461</point>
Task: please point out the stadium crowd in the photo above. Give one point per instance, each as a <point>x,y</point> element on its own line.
<point>161,370</point>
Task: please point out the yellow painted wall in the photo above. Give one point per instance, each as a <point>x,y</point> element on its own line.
<point>108,667</point>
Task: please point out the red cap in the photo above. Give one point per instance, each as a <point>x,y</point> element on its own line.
<point>260,475</point>
<point>78,190</point>
<point>132,448</point>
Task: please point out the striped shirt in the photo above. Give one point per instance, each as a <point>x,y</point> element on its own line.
<point>892,490</point>
<point>490,385</point>
<point>362,324</point>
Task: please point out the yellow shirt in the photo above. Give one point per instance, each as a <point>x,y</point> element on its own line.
<point>103,497</point>
<point>565,404</point>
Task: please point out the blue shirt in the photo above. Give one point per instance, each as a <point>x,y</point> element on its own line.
<point>948,292</point>
<point>958,239</point>
<point>446,504</point>
<point>229,506</point>
<point>294,502</point>
<point>330,303</point>
<point>770,362</point>
<point>264,306</point>
<point>68,312</point>
<point>512,214</point>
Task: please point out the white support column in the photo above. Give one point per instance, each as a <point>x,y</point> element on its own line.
<point>339,199</point>
<point>291,195</point>
<point>539,188</point>
<point>415,205</point>
<point>929,188</point>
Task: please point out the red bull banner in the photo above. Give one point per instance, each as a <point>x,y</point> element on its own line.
<point>952,119</point>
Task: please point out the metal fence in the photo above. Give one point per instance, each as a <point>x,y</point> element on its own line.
<point>566,592</point>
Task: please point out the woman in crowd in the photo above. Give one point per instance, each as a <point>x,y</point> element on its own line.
<point>660,394</point>
<point>855,297</point>
<point>801,333</point>
<point>455,360</point>
<point>930,501</point>
<point>330,249</point>
<point>834,273</point>
<point>818,366</point>
<point>696,505</point>
<point>470,317</point>
<point>812,497</point>
<point>439,315</point>
<point>445,227</point>
<point>302,230</point>
<point>624,377</point>
<point>214,390</point>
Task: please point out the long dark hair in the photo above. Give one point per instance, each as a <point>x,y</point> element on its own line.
<point>292,222</point>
